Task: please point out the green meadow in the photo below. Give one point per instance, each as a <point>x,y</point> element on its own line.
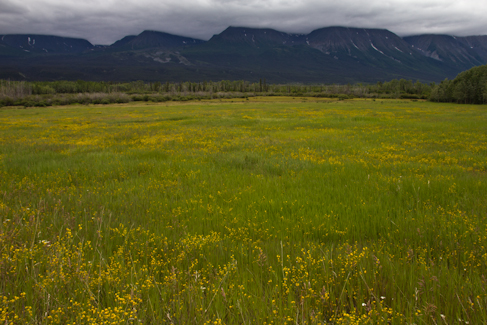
<point>267,210</point>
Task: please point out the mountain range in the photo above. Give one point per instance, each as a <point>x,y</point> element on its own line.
<point>327,55</point>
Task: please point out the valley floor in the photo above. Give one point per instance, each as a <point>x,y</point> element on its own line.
<point>244,211</point>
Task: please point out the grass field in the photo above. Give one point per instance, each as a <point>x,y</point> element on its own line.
<point>260,211</point>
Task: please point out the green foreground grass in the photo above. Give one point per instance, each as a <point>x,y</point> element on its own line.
<point>261,211</point>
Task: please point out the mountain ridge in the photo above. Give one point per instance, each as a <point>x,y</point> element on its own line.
<point>329,54</point>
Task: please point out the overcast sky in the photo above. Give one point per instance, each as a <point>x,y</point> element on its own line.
<point>105,21</point>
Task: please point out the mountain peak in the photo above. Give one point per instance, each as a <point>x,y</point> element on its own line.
<point>46,43</point>
<point>257,37</point>
<point>155,39</point>
<point>336,39</point>
<point>447,48</point>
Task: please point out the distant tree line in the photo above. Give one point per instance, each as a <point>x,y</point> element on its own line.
<point>469,87</point>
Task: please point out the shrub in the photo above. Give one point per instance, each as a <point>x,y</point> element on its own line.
<point>409,96</point>
<point>7,101</point>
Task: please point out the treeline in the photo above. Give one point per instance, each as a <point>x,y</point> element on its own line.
<point>89,92</point>
<point>469,87</point>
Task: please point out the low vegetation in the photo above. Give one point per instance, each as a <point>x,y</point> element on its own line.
<point>30,94</point>
<point>270,210</point>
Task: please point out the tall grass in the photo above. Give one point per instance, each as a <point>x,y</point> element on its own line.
<point>265,211</point>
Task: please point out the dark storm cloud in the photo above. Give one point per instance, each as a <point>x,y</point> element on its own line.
<point>105,21</point>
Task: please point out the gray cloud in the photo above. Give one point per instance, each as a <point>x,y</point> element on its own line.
<point>8,7</point>
<point>105,21</point>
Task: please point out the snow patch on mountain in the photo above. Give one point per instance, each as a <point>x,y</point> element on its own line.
<point>375,48</point>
